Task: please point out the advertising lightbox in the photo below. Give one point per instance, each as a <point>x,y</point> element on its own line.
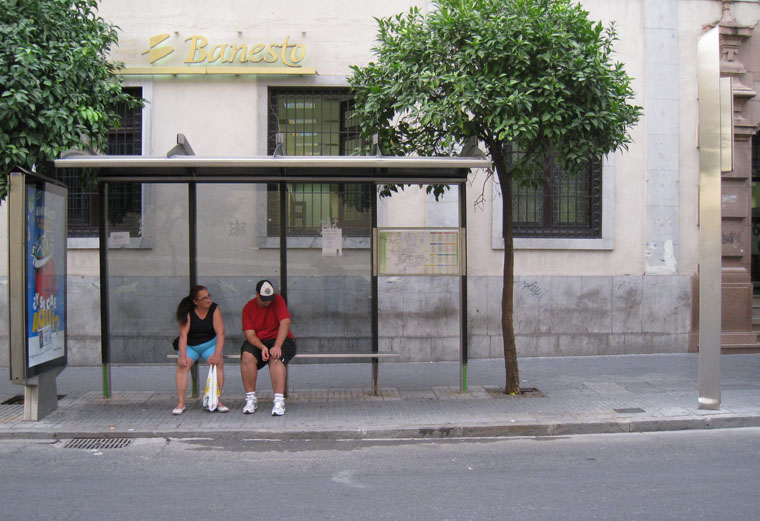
<point>37,253</point>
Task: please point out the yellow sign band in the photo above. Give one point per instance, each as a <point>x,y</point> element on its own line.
<point>237,71</point>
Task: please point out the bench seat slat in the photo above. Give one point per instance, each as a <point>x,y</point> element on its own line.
<point>347,355</point>
<point>324,355</point>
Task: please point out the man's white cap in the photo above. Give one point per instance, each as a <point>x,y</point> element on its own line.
<point>265,290</point>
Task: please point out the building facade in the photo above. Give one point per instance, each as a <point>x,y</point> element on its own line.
<point>606,263</point>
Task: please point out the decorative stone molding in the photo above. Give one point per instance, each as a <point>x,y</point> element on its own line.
<point>732,37</point>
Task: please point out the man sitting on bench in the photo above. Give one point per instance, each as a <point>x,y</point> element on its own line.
<point>268,340</point>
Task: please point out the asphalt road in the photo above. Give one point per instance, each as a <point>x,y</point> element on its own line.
<point>694,475</point>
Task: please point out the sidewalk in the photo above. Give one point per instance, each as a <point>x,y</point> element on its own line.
<point>600,394</point>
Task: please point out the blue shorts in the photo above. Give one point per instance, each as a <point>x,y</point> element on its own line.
<point>204,350</point>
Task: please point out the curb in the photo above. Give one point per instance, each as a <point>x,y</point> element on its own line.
<point>423,432</point>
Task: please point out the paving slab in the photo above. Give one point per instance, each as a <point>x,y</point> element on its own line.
<point>573,395</point>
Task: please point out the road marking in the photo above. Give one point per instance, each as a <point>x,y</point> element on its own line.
<point>346,478</point>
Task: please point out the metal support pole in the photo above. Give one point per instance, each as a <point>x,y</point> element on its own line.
<point>283,189</point>
<point>708,77</point>
<point>192,222</point>
<point>374,289</point>
<point>283,192</point>
<point>105,324</point>
<point>463,346</point>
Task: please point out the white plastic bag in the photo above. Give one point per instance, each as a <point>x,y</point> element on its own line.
<point>211,393</point>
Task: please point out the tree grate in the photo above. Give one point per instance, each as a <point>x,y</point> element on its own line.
<point>98,443</point>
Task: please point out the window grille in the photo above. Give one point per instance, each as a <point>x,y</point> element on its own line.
<point>564,206</point>
<point>124,199</point>
<point>317,122</point>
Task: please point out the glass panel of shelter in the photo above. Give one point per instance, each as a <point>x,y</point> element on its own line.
<point>146,284</point>
<point>234,251</point>
<point>329,292</point>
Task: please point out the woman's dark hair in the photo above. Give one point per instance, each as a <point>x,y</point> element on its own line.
<point>186,305</point>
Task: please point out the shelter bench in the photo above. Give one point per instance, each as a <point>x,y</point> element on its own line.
<point>372,356</point>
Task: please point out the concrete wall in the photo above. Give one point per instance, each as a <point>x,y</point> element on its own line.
<point>554,316</point>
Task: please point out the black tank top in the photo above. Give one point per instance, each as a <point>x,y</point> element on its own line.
<point>201,330</point>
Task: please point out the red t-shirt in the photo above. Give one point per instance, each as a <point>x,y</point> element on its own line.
<point>265,321</point>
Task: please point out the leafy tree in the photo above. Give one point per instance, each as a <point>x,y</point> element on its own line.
<point>536,77</point>
<point>57,85</point>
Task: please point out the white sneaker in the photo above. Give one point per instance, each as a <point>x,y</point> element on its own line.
<point>250,405</point>
<point>279,408</point>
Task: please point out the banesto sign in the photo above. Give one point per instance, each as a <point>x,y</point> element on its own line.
<point>200,52</point>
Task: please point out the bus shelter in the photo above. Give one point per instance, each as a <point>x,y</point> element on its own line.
<point>227,222</point>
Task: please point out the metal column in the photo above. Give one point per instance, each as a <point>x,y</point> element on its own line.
<point>105,324</point>
<point>463,347</point>
<point>192,225</point>
<point>283,189</point>
<point>708,76</point>
<point>374,289</point>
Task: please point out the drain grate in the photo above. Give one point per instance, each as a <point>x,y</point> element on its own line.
<point>632,410</point>
<point>11,413</point>
<point>98,443</point>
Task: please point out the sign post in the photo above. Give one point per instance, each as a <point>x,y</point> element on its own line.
<point>37,261</point>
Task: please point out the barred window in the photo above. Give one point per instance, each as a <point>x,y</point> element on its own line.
<point>564,206</point>
<point>124,199</point>
<point>317,122</point>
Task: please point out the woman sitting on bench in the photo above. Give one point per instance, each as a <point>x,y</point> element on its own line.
<point>201,335</point>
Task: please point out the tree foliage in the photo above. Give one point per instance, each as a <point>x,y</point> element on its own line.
<point>57,85</point>
<point>536,76</point>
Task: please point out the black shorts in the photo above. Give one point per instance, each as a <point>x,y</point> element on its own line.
<point>288,351</point>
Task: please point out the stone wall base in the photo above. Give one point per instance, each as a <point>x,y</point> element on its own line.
<point>554,316</point>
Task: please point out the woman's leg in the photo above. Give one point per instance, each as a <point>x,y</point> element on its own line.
<point>181,379</point>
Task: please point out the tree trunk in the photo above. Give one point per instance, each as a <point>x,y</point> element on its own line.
<point>512,385</point>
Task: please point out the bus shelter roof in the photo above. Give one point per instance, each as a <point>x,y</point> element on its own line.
<point>184,169</point>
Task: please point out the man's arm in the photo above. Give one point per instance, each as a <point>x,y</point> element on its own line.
<point>250,336</point>
<point>216,358</point>
<point>282,333</point>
